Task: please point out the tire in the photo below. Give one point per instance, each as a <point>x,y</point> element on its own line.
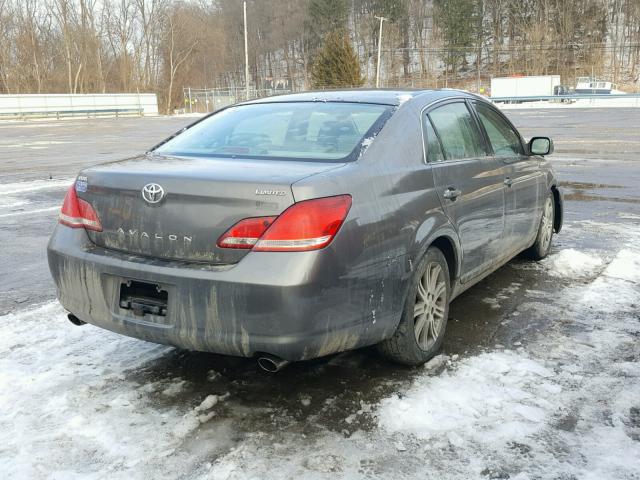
<point>428,303</point>
<point>542,246</point>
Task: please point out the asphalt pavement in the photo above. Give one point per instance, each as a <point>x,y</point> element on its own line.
<point>596,157</point>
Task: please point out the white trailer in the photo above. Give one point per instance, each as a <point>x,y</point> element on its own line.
<point>534,86</point>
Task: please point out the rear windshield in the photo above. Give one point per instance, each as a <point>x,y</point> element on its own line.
<point>319,131</point>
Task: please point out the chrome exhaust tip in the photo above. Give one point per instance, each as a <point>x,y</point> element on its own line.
<point>271,363</point>
<point>75,320</point>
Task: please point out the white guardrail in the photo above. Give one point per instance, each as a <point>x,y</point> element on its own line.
<point>568,101</point>
<point>68,105</point>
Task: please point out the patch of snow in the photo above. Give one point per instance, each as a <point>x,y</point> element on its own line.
<point>627,231</point>
<point>489,398</point>
<point>207,403</point>
<point>403,98</point>
<point>35,185</point>
<point>568,407</point>
<point>572,263</point>
<point>628,216</point>
<point>34,123</point>
<point>11,202</point>
<point>400,446</point>
<point>35,145</point>
<point>184,115</point>
<point>174,388</point>
<point>436,362</point>
<point>366,143</point>
<point>29,212</point>
<point>322,463</point>
<point>67,410</point>
<point>626,266</point>
<point>603,102</point>
<point>503,294</point>
<point>492,302</point>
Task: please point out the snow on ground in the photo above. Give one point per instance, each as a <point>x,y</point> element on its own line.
<point>10,189</point>
<point>564,406</point>
<point>494,300</point>
<point>626,266</point>
<point>492,398</point>
<point>569,407</point>
<point>67,409</point>
<point>603,102</point>
<point>185,115</point>
<point>35,145</point>
<point>573,263</point>
<point>17,198</point>
<point>29,212</point>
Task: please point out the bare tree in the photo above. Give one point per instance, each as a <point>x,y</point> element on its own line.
<point>163,45</point>
<point>181,43</point>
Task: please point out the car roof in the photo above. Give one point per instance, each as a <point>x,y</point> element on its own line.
<point>380,96</point>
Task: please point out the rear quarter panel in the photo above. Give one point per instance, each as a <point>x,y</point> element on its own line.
<point>394,215</point>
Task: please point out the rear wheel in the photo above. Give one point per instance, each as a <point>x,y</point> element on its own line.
<point>542,246</point>
<point>421,329</point>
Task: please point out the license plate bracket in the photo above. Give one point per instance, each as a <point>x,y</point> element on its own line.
<point>143,298</point>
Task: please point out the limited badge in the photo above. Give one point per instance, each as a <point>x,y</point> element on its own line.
<point>81,184</point>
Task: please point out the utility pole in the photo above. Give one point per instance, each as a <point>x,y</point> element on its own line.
<point>246,52</point>
<point>479,54</point>
<point>382,19</point>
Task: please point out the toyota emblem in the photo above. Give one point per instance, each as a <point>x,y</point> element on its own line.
<point>152,193</point>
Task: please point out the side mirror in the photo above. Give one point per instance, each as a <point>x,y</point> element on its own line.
<point>540,146</point>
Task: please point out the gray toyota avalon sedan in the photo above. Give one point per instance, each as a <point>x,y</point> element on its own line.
<point>299,226</point>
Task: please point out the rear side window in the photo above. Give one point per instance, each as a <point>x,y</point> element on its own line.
<point>321,131</point>
<point>434,150</point>
<point>457,131</point>
<point>504,139</point>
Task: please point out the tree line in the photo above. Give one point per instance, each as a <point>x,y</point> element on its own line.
<point>82,46</point>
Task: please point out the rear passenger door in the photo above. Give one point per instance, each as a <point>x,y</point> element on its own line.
<point>468,182</point>
<point>523,180</point>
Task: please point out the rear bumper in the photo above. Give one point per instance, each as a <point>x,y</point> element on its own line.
<point>297,305</point>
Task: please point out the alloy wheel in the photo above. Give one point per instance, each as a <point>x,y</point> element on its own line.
<point>430,305</point>
<point>546,226</point>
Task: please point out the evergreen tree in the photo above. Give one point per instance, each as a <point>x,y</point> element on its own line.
<point>324,17</point>
<point>336,64</point>
<point>457,21</point>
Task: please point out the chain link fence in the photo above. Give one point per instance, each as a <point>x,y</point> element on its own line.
<point>205,100</point>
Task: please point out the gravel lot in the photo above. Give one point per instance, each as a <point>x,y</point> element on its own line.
<point>539,376</point>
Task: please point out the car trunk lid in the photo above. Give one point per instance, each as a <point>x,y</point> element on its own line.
<point>202,198</point>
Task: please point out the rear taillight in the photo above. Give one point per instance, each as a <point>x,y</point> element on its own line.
<point>77,213</point>
<point>306,225</point>
<point>245,233</point>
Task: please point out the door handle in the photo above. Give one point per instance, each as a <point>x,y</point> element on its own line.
<point>508,182</point>
<point>451,193</point>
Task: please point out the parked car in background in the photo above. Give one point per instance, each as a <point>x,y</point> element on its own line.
<point>299,226</point>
